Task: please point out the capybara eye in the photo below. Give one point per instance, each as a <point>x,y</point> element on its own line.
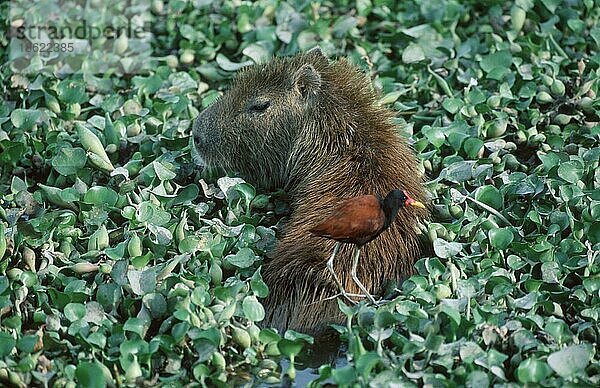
<point>259,106</point>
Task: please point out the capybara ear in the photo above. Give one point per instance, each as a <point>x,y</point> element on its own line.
<point>307,79</point>
<point>316,52</point>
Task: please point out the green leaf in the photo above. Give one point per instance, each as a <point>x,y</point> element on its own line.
<point>26,343</point>
<point>343,25</point>
<point>7,343</point>
<point>501,238</point>
<point>135,325</point>
<point>253,310</point>
<point>458,172</point>
<point>244,258</point>
<point>478,378</point>
<point>100,195</point>
<point>344,376</point>
<point>90,375</point>
<point>444,249</point>
<point>531,370</point>
<point>366,362</point>
<point>24,119</point>
<point>258,285</point>
<point>162,172</point>
<point>68,161</point>
<point>571,171</point>
<point>435,135</point>
<point>258,52</point>
<point>453,105</point>
<point>490,195</point>
<point>499,59</point>
<point>74,311</point>
<point>570,360</point>
<point>12,152</point>
<point>71,92</point>
<point>473,146</point>
<point>290,348</point>
<point>227,65</point>
<point>413,53</point>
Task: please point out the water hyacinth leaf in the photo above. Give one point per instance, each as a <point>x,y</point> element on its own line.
<point>100,195</point>
<point>390,98</point>
<point>4,284</point>
<point>499,59</point>
<point>74,311</point>
<point>290,347</point>
<point>257,52</point>
<point>258,286</point>
<point>189,244</point>
<point>135,325</point>
<point>458,172</point>
<point>413,53</point>
<point>72,92</point>
<point>550,160</point>
<point>527,302</point>
<point>24,119</point>
<point>227,65</point>
<point>90,374</point>
<point>68,161</point>
<point>160,235</point>
<point>253,310</point>
<point>226,183</point>
<point>444,249</point>
<point>184,195</point>
<point>7,343</point>
<point>343,25</point>
<point>489,195</point>
<point>501,238</point>
<point>570,171</point>
<point>452,105</point>
<point>142,282</point>
<point>570,360</point>
<point>435,135</point>
<point>244,258</point>
<point>478,379</point>
<point>162,172</point>
<point>91,143</point>
<point>592,284</point>
<point>248,191</point>
<point>473,147</point>
<point>152,214</point>
<point>470,351</point>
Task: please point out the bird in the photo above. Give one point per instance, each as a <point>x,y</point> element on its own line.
<point>357,221</point>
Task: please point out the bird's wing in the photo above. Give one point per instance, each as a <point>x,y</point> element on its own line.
<point>347,224</point>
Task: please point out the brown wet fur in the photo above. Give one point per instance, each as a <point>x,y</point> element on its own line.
<point>323,139</point>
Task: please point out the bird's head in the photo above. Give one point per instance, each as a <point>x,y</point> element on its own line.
<point>394,201</point>
<point>400,198</point>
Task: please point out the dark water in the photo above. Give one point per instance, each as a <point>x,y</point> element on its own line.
<point>324,351</point>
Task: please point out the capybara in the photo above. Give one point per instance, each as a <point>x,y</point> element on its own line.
<point>312,126</point>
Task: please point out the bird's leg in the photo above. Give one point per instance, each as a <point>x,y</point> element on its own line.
<point>335,277</point>
<point>355,277</point>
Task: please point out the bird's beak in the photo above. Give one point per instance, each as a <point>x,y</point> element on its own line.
<point>415,203</point>
<point>412,202</point>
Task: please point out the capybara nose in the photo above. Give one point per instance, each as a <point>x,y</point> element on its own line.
<point>204,132</point>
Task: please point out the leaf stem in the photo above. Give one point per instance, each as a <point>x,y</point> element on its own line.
<point>489,209</point>
<point>442,82</point>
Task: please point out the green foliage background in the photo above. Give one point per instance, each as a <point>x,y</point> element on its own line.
<point>117,267</point>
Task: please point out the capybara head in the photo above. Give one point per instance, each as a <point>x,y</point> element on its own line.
<point>275,112</point>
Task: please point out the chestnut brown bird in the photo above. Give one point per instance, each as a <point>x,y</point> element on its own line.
<point>357,221</point>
